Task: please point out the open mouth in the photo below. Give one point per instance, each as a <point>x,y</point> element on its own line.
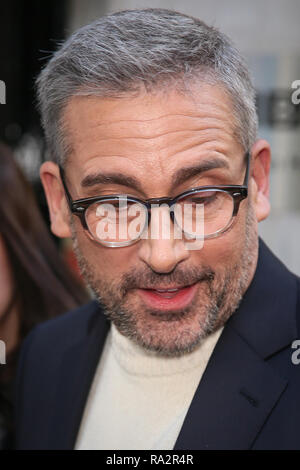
<point>169,298</point>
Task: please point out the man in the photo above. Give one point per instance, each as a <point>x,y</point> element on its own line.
<point>187,344</point>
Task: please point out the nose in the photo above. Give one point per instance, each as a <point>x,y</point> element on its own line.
<point>162,246</point>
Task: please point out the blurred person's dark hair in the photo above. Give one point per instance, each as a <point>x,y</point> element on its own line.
<point>43,284</point>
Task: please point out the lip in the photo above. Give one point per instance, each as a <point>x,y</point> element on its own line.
<point>164,287</point>
<point>165,301</point>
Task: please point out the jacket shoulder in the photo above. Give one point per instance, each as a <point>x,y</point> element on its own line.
<point>67,328</point>
<point>39,368</point>
<point>43,348</point>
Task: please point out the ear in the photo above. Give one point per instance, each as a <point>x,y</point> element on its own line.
<point>55,195</point>
<point>260,172</point>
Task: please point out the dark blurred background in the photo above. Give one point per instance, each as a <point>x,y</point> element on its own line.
<point>29,31</point>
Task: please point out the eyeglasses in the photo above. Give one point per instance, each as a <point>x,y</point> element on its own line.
<point>120,220</point>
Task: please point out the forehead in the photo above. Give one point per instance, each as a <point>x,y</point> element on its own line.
<point>148,132</point>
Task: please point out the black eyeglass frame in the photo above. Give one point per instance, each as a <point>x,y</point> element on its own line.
<point>237,192</point>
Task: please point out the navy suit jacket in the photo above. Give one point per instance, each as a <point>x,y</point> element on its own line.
<point>248,398</point>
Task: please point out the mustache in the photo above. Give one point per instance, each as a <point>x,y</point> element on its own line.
<point>137,279</point>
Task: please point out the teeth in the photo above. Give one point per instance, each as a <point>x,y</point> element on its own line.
<point>166,290</point>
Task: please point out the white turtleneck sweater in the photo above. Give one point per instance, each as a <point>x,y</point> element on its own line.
<point>138,400</point>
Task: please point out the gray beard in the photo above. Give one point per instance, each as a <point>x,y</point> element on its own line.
<point>224,294</point>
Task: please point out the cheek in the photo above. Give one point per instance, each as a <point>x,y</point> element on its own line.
<point>226,250</point>
<point>107,263</point>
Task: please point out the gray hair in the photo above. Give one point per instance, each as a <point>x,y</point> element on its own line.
<point>151,48</point>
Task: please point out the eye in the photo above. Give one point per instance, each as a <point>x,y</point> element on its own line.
<point>204,199</point>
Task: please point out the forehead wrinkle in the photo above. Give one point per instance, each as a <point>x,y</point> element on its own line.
<point>197,147</point>
<point>172,132</point>
<point>155,136</point>
<point>216,116</point>
<point>197,115</point>
<point>204,129</point>
<point>163,155</point>
<point>184,141</point>
<point>206,102</point>
<point>118,121</point>
<point>219,125</point>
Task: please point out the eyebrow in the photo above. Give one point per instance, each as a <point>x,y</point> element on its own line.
<point>111,178</point>
<point>186,173</point>
<point>180,176</point>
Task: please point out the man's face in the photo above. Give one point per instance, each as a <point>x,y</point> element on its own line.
<point>150,139</point>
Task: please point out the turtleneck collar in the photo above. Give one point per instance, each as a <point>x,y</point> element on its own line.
<point>138,361</point>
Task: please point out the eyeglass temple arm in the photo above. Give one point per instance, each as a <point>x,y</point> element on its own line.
<point>68,195</point>
<point>248,159</point>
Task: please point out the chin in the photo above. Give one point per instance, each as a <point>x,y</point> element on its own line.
<point>167,334</point>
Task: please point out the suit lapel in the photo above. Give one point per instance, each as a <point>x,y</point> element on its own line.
<point>235,396</point>
<point>239,388</point>
<point>76,374</point>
